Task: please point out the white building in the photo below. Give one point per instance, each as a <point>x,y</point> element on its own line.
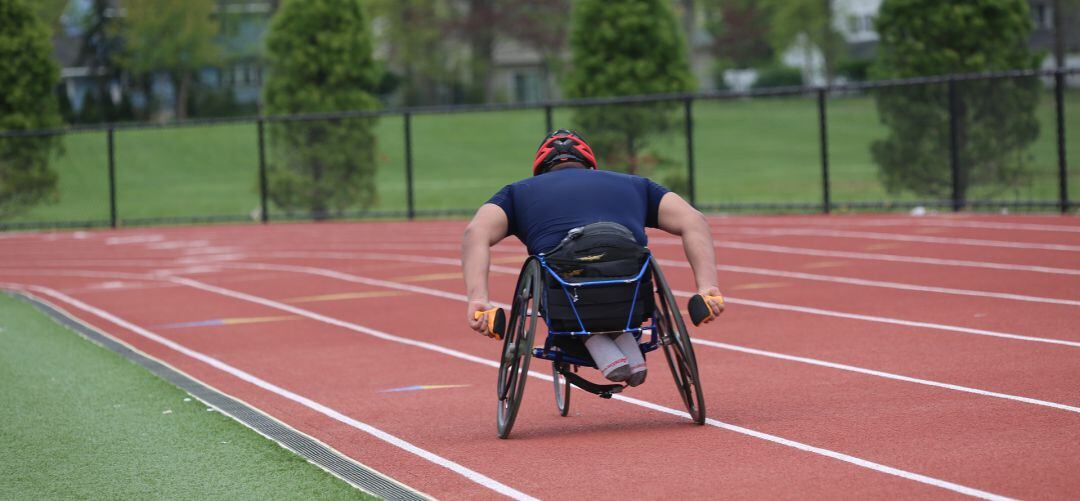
<point>853,21</point>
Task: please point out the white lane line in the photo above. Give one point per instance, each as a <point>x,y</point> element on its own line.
<point>877,283</point>
<point>886,375</point>
<point>37,263</point>
<point>79,273</point>
<point>902,238</point>
<point>461,297</point>
<point>134,239</point>
<point>734,300</point>
<point>306,402</point>
<point>781,249</point>
<point>887,320</point>
<point>719,424</point>
<point>948,223</point>
<point>826,452</point>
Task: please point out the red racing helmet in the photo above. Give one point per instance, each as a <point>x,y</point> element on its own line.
<point>562,146</point>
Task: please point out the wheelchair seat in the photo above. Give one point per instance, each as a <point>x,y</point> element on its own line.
<point>599,252</point>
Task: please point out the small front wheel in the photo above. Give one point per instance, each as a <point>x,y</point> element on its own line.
<point>562,388</point>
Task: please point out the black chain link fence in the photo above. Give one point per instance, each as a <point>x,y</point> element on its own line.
<point>956,142</point>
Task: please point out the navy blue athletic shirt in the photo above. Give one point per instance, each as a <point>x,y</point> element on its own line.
<point>541,209</point>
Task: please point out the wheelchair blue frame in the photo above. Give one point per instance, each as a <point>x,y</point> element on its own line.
<point>555,354</point>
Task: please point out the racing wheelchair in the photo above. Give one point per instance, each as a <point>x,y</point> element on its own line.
<point>599,280</point>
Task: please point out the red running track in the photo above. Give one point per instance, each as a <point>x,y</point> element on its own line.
<point>860,356</point>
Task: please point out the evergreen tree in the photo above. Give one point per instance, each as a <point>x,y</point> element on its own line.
<point>320,61</point>
<point>623,48</point>
<point>995,118</point>
<point>28,80</point>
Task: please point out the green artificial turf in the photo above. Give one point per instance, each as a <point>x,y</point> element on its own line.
<point>78,421</point>
<point>749,150</point>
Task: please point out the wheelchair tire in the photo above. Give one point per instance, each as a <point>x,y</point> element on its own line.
<point>518,344</point>
<point>678,349</point>
<point>562,389</point>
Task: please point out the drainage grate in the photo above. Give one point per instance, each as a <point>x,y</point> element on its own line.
<point>352,472</point>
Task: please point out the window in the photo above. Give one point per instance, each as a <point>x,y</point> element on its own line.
<point>1043,16</point>
<point>861,24</point>
<point>526,87</point>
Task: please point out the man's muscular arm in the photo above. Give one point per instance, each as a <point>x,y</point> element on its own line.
<point>680,218</point>
<point>486,229</point>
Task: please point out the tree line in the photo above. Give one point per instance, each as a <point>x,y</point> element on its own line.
<point>320,56</point>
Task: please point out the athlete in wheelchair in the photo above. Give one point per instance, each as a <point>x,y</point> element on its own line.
<point>589,276</point>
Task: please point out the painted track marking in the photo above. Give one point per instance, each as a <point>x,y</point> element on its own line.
<point>905,238</point>
<point>948,223</point>
<point>472,475</point>
<point>781,249</point>
<point>719,424</point>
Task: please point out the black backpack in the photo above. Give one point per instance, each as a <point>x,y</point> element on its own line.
<point>597,252</point>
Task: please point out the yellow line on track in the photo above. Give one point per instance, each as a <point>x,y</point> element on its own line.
<point>759,285</point>
<point>344,296</point>
<point>255,320</point>
<point>429,277</point>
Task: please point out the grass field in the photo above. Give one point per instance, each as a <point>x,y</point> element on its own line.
<point>80,422</point>
<point>760,150</point>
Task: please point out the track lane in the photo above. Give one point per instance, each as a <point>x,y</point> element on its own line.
<point>1030,257</point>
<point>1046,229</point>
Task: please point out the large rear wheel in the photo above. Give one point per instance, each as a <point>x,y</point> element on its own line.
<point>518,345</point>
<point>678,349</point>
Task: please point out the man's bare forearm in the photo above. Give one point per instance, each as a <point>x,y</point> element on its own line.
<point>698,246</point>
<point>475,260</point>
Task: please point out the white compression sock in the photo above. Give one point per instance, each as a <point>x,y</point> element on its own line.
<point>608,357</point>
<point>630,349</point>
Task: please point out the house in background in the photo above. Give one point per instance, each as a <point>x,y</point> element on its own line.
<point>520,74</point>
<point>854,21</point>
<point>1042,39</point>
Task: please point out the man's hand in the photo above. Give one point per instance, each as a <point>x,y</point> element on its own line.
<point>479,324</point>
<point>714,300</point>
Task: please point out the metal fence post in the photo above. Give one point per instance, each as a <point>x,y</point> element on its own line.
<point>1063,174</point>
<point>264,215</point>
<point>954,147</point>
<point>408,166</point>
<point>823,133</point>
<point>688,118</point>
<point>548,120</point>
<point>112,177</point>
